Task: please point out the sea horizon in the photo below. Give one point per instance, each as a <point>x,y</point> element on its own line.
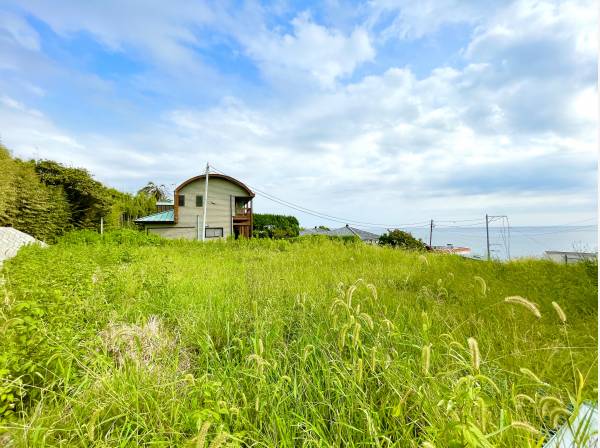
<point>516,242</point>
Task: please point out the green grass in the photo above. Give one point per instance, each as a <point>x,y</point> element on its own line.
<point>129,341</point>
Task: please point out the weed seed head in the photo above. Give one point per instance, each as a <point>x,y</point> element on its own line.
<point>525,426</point>
<point>525,303</point>
<point>426,358</point>
<point>475,357</point>
<point>482,283</point>
<point>531,375</point>
<point>561,314</point>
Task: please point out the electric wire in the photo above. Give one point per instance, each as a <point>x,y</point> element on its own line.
<point>320,214</point>
<point>505,227</point>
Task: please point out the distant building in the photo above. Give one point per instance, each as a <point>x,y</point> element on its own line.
<point>451,249</point>
<point>365,236</point>
<point>229,210</point>
<point>570,257</point>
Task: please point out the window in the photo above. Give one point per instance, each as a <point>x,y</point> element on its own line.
<point>181,200</point>
<point>214,232</point>
<point>199,201</point>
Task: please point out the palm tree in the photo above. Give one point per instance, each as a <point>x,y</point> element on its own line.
<point>159,192</point>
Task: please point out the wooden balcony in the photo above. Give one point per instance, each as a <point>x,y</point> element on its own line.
<point>243,213</point>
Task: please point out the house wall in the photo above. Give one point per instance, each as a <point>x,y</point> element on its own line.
<point>220,206</point>
<point>172,232</point>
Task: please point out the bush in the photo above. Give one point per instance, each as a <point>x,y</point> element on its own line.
<point>275,226</point>
<point>402,239</point>
<point>122,237</point>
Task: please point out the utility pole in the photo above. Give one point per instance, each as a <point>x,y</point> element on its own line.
<point>205,204</point>
<point>430,232</point>
<point>505,221</point>
<point>101,225</point>
<point>487,233</point>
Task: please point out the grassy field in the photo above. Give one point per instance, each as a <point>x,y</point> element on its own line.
<point>129,341</point>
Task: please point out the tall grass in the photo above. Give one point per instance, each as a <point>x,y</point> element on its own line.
<point>127,341</point>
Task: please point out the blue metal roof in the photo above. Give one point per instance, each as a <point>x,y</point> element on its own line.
<point>166,216</point>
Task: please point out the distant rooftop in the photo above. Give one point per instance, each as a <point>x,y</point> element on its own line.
<point>165,202</point>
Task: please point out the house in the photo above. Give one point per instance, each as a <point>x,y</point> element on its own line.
<point>228,210</point>
<point>365,236</point>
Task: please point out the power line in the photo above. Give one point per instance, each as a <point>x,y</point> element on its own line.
<point>532,239</point>
<point>323,215</point>
<point>421,224</point>
<point>554,232</point>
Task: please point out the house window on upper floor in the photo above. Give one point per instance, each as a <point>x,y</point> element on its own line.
<point>199,200</point>
<point>181,200</point>
<point>214,232</point>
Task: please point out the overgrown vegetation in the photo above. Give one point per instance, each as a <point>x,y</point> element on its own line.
<point>130,340</point>
<point>46,199</point>
<point>275,226</point>
<point>401,239</point>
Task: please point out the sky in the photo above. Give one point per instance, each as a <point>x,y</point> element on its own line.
<point>384,112</point>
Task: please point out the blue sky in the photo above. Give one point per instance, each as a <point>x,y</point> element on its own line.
<point>381,111</point>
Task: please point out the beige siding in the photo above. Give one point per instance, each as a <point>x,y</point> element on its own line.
<point>171,232</point>
<point>219,210</point>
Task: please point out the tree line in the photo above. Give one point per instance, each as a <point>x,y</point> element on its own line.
<point>47,199</point>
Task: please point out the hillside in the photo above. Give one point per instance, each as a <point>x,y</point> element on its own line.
<point>128,340</point>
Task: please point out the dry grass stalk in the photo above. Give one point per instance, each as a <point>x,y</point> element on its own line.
<point>146,345</point>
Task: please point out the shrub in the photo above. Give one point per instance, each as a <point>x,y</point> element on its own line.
<point>402,239</point>
<point>275,226</point>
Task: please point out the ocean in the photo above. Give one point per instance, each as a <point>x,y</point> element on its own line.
<point>519,242</point>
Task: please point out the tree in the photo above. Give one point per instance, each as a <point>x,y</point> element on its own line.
<point>89,200</point>
<point>46,199</point>
<point>401,239</point>
<point>158,192</point>
<point>29,205</point>
<point>275,226</point>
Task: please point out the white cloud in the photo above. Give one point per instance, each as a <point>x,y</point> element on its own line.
<point>405,19</point>
<point>508,130</point>
<point>163,30</point>
<point>314,50</point>
<point>16,29</point>
<point>30,134</point>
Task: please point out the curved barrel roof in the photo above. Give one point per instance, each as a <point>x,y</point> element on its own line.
<point>217,176</point>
